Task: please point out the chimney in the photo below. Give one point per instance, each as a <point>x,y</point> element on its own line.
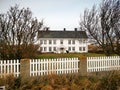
<point>64,29</point>
<point>75,29</point>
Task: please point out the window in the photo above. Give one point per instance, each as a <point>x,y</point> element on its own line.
<point>83,48</point>
<point>73,41</point>
<point>73,48</point>
<point>45,48</point>
<point>54,41</point>
<point>69,41</point>
<point>41,41</point>
<point>50,41</point>
<point>41,48</point>
<point>54,48</point>
<point>61,41</point>
<point>50,49</point>
<point>69,48</point>
<point>84,41</point>
<point>45,41</point>
<point>80,41</point>
<point>80,48</point>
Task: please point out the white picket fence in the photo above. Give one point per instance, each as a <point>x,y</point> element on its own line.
<point>9,67</point>
<point>40,67</point>
<point>96,64</point>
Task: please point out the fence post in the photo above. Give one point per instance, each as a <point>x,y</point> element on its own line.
<point>25,70</point>
<point>83,66</point>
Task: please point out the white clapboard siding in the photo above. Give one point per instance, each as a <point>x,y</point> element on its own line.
<point>96,64</point>
<point>9,67</point>
<point>40,67</point>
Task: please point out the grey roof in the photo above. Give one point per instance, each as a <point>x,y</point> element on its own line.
<point>62,34</point>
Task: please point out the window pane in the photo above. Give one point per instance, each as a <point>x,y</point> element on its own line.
<point>73,41</point>
<point>45,49</point>
<point>54,48</point>
<point>41,41</point>
<point>50,49</point>
<point>73,48</point>
<point>83,48</point>
<point>50,41</point>
<point>69,41</point>
<point>45,41</point>
<point>69,48</point>
<point>54,41</point>
<point>80,48</point>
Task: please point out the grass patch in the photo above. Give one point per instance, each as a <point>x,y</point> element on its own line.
<point>68,55</point>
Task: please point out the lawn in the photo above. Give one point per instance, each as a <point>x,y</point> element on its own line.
<point>69,55</point>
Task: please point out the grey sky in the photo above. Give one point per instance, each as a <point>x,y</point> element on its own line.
<point>57,14</point>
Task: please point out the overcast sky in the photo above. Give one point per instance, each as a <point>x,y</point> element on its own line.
<point>57,14</point>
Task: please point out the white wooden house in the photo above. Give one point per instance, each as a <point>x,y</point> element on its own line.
<point>63,41</point>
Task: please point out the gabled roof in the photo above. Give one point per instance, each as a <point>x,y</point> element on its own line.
<point>62,34</point>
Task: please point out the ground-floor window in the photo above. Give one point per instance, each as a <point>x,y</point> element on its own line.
<point>69,48</point>
<point>73,48</point>
<point>54,48</point>
<point>50,49</point>
<point>45,48</point>
<point>81,48</point>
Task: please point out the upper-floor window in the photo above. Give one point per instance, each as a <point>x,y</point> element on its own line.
<point>84,41</point>
<point>54,41</point>
<point>41,41</point>
<point>69,41</point>
<point>50,41</point>
<point>61,41</point>
<point>45,41</point>
<point>73,41</point>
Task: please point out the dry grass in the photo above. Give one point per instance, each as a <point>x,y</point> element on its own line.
<point>110,81</point>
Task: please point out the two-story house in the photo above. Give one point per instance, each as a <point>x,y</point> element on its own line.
<point>63,41</point>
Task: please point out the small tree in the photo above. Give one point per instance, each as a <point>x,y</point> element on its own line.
<point>18,33</point>
<point>102,25</point>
